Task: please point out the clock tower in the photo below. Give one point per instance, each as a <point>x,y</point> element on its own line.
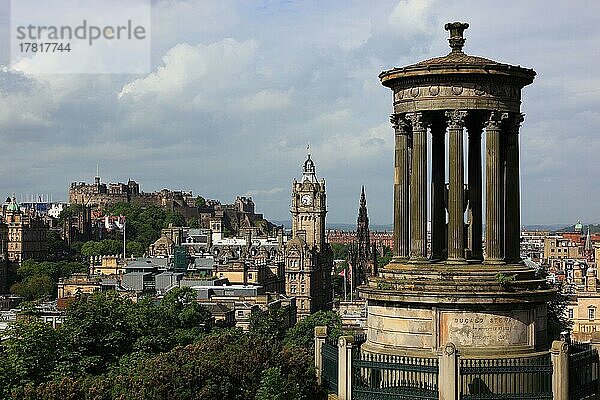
<point>309,206</point>
<point>309,258</point>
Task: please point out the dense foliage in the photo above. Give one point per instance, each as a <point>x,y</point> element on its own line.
<point>386,258</point>
<point>37,279</point>
<point>111,348</point>
<point>340,251</point>
<point>144,223</point>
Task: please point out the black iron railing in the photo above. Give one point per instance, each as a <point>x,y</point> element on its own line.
<point>583,371</point>
<point>379,376</point>
<point>506,378</point>
<point>329,355</point>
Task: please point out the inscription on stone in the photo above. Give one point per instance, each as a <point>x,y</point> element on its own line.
<point>484,329</point>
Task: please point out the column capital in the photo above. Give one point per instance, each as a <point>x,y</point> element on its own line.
<point>417,121</point>
<point>456,119</point>
<point>514,123</point>
<point>494,121</point>
<point>399,124</point>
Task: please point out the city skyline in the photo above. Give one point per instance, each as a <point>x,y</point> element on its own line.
<point>230,105</point>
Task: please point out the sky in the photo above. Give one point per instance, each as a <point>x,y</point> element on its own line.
<point>237,90</point>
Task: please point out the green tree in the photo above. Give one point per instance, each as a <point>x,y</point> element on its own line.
<point>102,248</point>
<point>186,319</point>
<point>95,332</point>
<point>269,324</point>
<point>57,247</point>
<point>135,248</point>
<point>34,287</point>
<point>30,352</point>
<point>200,202</point>
<point>53,269</point>
<point>70,211</point>
<point>387,257</point>
<point>302,334</point>
<point>273,386</point>
<point>340,251</point>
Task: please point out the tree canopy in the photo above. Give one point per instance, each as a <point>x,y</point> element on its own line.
<point>112,348</point>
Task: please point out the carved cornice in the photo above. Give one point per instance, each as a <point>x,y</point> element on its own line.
<point>456,119</point>
<point>494,121</point>
<point>417,121</point>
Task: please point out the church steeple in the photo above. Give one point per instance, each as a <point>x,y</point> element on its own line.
<point>588,248</point>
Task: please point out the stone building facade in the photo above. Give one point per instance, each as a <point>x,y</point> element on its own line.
<point>381,239</point>
<point>22,233</point>
<point>308,255</point>
<point>584,308</point>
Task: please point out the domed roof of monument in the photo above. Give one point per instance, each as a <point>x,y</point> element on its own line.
<point>457,62</point>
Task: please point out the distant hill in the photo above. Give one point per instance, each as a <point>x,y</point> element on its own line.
<point>550,227</point>
<point>594,228</point>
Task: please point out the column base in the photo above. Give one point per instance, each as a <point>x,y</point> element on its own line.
<point>456,261</point>
<point>493,262</point>
<point>418,260</point>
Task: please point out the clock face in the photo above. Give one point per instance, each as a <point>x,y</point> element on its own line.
<point>306,199</point>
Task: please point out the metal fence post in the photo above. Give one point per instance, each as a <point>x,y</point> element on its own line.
<point>448,372</point>
<point>560,370</point>
<point>596,345</point>
<point>320,336</point>
<point>345,367</point>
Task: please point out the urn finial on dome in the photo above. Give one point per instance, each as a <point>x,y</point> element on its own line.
<point>457,41</point>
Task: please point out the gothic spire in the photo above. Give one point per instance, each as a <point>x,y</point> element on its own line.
<point>363,200</point>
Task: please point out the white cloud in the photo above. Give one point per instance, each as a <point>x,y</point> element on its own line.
<point>238,89</point>
<point>263,192</point>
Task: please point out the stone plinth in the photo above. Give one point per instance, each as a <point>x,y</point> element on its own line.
<point>416,309</point>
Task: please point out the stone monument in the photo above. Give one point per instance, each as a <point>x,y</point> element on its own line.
<point>484,301</point>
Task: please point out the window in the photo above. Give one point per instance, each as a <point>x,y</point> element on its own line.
<point>591,313</point>
<point>571,313</point>
<point>250,275</point>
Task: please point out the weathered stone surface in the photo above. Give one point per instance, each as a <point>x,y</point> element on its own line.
<point>484,329</point>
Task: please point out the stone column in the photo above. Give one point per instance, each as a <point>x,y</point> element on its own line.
<point>560,370</point>
<point>475,195</point>
<point>512,198</point>
<point>418,188</point>
<point>438,179</point>
<point>320,336</point>
<point>345,367</point>
<point>401,189</point>
<point>456,192</point>
<point>448,373</point>
<point>494,225</point>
